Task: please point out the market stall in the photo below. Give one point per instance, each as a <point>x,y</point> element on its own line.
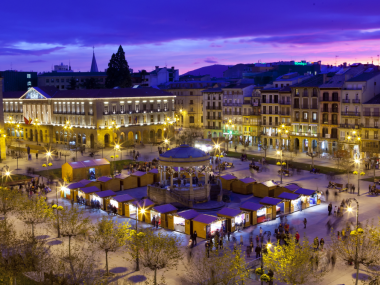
<point>183,221</point>
<point>235,217</point>
<point>162,212</point>
<point>243,186</point>
<point>143,178</point>
<point>104,197</point>
<point>85,193</point>
<point>271,207</point>
<point>308,197</point>
<point>264,189</point>
<point>87,169</point>
<point>207,225</point>
<point>155,174</point>
<point>127,181</point>
<point>227,181</point>
<point>255,212</point>
<point>290,202</point>
<point>109,183</point>
<point>123,204</point>
<point>143,207</point>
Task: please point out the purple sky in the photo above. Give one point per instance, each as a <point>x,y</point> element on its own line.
<point>186,34</point>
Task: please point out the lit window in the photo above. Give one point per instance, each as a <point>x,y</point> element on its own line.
<point>28,76</point>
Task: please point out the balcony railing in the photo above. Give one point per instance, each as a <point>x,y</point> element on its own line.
<point>356,101</point>
<point>350,114</point>
<point>334,99</point>
<point>284,102</point>
<point>370,137</point>
<point>370,126</point>
<point>329,122</point>
<point>214,107</point>
<point>213,127</point>
<point>214,118</point>
<point>329,110</point>
<point>350,126</point>
<point>233,104</point>
<point>367,114</point>
<point>296,106</point>
<point>304,134</point>
<point>305,107</point>
<point>314,107</point>
<point>346,100</point>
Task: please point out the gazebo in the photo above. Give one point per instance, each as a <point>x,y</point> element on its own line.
<point>185,191</point>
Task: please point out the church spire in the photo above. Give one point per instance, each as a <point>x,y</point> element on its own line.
<point>94,66</point>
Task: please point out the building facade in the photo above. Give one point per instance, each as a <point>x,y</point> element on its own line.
<point>14,80</point>
<point>61,80</point>
<point>159,76</point>
<point>98,117</point>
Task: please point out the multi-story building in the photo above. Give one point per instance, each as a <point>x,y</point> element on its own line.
<point>189,101</point>
<point>159,76</point>
<point>18,80</point>
<point>61,80</point>
<point>140,114</point>
<point>252,118</point>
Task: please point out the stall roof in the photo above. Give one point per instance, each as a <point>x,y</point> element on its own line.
<point>251,206</point>
<point>85,182</point>
<point>104,179</point>
<point>123,198</point>
<point>91,189</point>
<point>288,196</point>
<point>105,194</point>
<point>229,212</point>
<point>188,214</point>
<point>139,173</point>
<point>154,170</point>
<point>269,183</point>
<point>122,176</point>
<point>89,163</point>
<point>143,203</point>
<point>228,177</point>
<point>270,201</point>
<point>304,191</point>
<point>205,219</point>
<point>292,187</point>
<point>75,185</point>
<point>166,208</point>
<point>247,180</point>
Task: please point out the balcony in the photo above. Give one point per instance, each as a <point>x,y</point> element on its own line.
<point>296,94</point>
<point>13,111</point>
<point>370,137</point>
<point>233,104</point>
<point>284,102</point>
<point>366,114</point>
<point>374,126</point>
<point>213,118</point>
<point>296,119</point>
<point>304,120</point>
<point>305,134</point>
<point>284,113</point>
<point>329,122</point>
<point>334,99</point>
<point>350,114</point>
<point>375,114</point>
<point>213,107</point>
<point>346,101</point>
<point>213,127</point>
<point>329,110</point>
<point>305,107</point>
<point>314,107</point>
<point>296,106</point>
<point>305,94</point>
<point>349,126</point>
<point>314,94</point>
<point>90,113</point>
<point>356,101</point>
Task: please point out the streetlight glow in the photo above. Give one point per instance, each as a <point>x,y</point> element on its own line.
<point>7,173</point>
<point>142,211</point>
<point>117,146</point>
<point>349,209</point>
<point>357,160</point>
<point>278,152</point>
<point>217,146</point>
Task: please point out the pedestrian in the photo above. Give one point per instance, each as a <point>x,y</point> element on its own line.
<point>333,260</point>
<point>228,235</point>
<point>322,242</point>
<point>304,222</point>
<point>195,237</point>
<point>258,251</point>
<point>335,211</point>
<point>207,246</point>
<point>261,230</point>
<point>338,236</point>
<point>281,229</point>
<point>235,148</point>
<point>252,246</point>
<point>286,227</point>
<point>297,237</point>
<point>241,240</point>
<point>248,251</point>
<point>257,239</point>
<point>327,194</point>
<point>36,155</point>
<point>262,239</point>
<point>329,208</point>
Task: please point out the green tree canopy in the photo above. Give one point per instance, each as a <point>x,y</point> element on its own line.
<point>72,84</point>
<point>118,74</point>
<point>91,83</point>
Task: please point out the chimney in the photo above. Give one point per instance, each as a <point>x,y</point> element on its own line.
<point>173,67</point>
<point>157,67</point>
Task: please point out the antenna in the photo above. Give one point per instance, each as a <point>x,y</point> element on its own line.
<point>336,60</point>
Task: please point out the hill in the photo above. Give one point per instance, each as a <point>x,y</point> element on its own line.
<point>215,70</point>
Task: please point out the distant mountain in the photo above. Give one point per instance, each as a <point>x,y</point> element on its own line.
<point>215,70</point>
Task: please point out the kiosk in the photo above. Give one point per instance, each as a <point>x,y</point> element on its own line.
<point>243,186</point>
<point>183,221</point>
<point>290,202</point>
<point>143,207</point>
<point>124,205</point>
<point>264,189</point>
<point>207,225</point>
<point>308,198</point>
<point>143,178</point>
<point>271,207</point>
<point>155,174</point>
<point>127,181</point>
<point>104,197</point>
<point>109,183</point>
<point>255,211</point>
<point>162,213</point>
<point>227,181</point>
<point>234,217</point>
<point>87,169</point>
<point>86,192</point>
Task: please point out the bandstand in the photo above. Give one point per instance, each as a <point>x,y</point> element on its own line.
<point>181,181</point>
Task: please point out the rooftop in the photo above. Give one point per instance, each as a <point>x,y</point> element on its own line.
<point>188,214</point>
<point>123,198</point>
<point>72,74</point>
<point>229,212</point>
<point>314,81</point>
<point>166,208</point>
<point>270,201</point>
<point>364,76</point>
<point>228,177</point>
<point>89,190</point>
<point>205,219</point>
<point>106,193</point>
<point>374,100</point>
<point>251,206</point>
<point>184,151</point>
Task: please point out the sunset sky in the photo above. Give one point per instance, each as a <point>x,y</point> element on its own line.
<point>186,34</point>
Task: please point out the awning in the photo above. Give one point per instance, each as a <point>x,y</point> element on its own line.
<point>75,185</point>
<point>166,208</point>
<point>123,198</point>
<point>104,179</point>
<point>188,214</point>
<point>105,194</point>
<point>205,219</point>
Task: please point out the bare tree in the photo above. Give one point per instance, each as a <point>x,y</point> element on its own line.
<point>312,155</point>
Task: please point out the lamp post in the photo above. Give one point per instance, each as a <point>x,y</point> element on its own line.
<point>217,147</point>
<point>37,125</point>
<point>115,149</point>
<point>11,122</point>
<point>17,128</point>
<point>357,161</point>
<point>281,163</point>
<point>137,220</point>
<point>349,209</point>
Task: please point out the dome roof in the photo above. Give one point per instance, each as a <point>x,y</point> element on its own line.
<point>184,151</point>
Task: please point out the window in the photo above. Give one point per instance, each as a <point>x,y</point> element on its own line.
<point>191,93</point>
<point>62,86</point>
<point>28,76</point>
<point>191,102</point>
<point>29,83</point>
<point>57,80</point>
<point>122,109</point>
<point>191,119</point>
<point>105,109</point>
<point>47,80</point>
<point>201,119</point>
<point>52,80</point>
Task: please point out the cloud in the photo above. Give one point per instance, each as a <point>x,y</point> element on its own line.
<point>211,60</point>
<point>15,51</point>
<point>36,61</point>
<point>215,45</point>
<point>197,62</point>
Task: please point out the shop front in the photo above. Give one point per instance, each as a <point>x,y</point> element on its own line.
<point>143,210</point>
<point>163,212</point>
<point>183,221</point>
<point>253,210</point>
<point>272,208</point>
<point>71,191</point>
<point>127,181</point>
<point>234,217</point>
<point>86,193</point>
<point>308,198</point>
<point>206,226</point>
<point>122,203</point>
<point>290,202</point>
<point>105,197</point>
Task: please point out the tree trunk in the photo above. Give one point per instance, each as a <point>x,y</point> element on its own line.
<point>107,262</point>
<point>155,276</point>
<point>33,229</point>
<point>70,247</point>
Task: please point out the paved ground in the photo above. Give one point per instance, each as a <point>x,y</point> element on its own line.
<point>317,216</point>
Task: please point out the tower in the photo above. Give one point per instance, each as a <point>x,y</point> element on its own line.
<point>94,66</point>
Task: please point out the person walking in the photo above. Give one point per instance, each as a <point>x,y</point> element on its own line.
<point>228,235</point>
<point>335,211</point>
<point>258,251</point>
<point>195,235</point>
<point>257,239</point>
<point>333,260</point>
<point>241,240</point>
<point>297,237</point>
<point>207,246</point>
<point>248,251</point>
<point>322,243</point>
<point>261,230</point>
<point>304,222</point>
<point>329,208</point>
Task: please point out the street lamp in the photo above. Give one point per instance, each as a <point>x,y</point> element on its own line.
<point>5,173</point>
<point>268,246</point>
<point>115,149</point>
<point>58,208</point>
<point>281,163</point>
<point>357,161</point>
<point>68,127</point>
<point>48,156</point>
<point>349,209</point>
